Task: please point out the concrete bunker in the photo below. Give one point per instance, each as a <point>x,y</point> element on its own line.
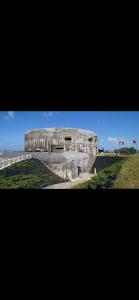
<point>74,145</point>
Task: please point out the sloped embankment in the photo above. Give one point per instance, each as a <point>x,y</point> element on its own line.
<point>105,177</point>
<point>102,162</point>
<point>29,174</point>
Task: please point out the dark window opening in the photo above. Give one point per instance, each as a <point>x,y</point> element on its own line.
<point>67,138</point>
<point>57,148</point>
<point>90,139</point>
<point>79,170</point>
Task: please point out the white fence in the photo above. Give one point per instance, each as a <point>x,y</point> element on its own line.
<point>10,161</point>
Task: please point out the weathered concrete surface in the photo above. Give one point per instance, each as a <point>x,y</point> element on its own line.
<point>61,140</point>
<point>67,165</point>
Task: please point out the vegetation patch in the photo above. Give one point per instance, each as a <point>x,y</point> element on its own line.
<point>101,162</point>
<point>28,174</point>
<point>128,177</point>
<point>105,177</point>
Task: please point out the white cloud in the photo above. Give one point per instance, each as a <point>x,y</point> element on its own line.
<point>9,115</point>
<point>113,140</point>
<point>49,114</point>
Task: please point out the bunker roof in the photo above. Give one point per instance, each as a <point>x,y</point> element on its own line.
<point>83,131</point>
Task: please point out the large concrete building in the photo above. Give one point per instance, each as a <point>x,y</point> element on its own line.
<point>66,151</point>
<point>61,140</point>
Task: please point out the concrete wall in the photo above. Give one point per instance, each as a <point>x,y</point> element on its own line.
<point>66,164</point>
<point>70,170</point>
<point>70,139</point>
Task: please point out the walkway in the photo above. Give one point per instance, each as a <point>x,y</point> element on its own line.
<point>70,184</point>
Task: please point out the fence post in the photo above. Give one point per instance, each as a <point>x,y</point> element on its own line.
<point>95,172</point>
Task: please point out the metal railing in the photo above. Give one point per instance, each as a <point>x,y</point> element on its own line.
<point>10,161</point>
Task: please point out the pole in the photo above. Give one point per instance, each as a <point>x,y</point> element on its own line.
<point>49,152</point>
<point>135,142</point>
<point>95,171</point>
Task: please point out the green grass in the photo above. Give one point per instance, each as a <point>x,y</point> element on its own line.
<point>105,177</point>
<point>128,177</point>
<point>123,174</point>
<point>101,162</point>
<point>28,174</point>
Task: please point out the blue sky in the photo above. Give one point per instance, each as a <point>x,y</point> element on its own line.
<point>109,126</point>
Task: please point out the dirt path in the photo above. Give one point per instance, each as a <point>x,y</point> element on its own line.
<point>70,184</point>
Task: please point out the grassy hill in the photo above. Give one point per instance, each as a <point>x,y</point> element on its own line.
<point>123,173</point>
<point>101,162</point>
<point>27,174</point>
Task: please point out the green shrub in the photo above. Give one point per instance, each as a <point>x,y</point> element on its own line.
<point>27,175</point>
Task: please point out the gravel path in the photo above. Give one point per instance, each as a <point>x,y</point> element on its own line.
<point>70,184</point>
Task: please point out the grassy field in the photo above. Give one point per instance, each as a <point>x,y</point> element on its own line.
<point>123,174</point>
<point>28,174</point>
<point>109,154</point>
<point>128,177</point>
